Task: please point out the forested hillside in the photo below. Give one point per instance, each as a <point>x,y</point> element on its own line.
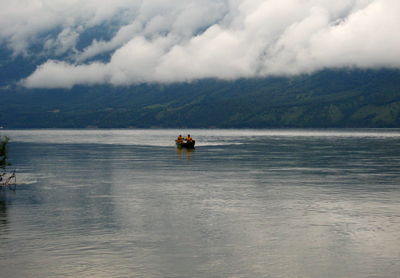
<point>342,98</point>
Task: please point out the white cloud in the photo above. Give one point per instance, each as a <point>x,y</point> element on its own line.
<point>22,21</point>
<point>124,34</point>
<point>181,40</point>
<point>55,74</point>
<point>65,41</point>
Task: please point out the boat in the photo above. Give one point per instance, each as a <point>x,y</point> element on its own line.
<point>186,145</point>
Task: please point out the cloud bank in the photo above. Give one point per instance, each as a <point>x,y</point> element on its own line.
<point>184,40</point>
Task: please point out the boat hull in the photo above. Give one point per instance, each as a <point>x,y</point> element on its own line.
<point>186,145</point>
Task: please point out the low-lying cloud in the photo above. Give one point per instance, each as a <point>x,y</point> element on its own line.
<point>184,40</point>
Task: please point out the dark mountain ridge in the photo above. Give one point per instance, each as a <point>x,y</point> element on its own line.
<point>329,98</point>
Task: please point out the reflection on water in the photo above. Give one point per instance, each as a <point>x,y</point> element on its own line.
<point>184,153</point>
<point>3,215</point>
<point>243,204</point>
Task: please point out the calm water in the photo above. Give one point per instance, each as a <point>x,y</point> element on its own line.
<point>245,203</point>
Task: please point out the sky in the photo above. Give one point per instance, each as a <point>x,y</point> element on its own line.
<point>185,40</point>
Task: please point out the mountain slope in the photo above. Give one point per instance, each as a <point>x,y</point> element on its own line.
<point>345,98</point>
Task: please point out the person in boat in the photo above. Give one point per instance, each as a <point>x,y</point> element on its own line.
<point>188,138</point>
<point>179,139</point>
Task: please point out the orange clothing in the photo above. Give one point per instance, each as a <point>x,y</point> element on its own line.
<point>180,139</point>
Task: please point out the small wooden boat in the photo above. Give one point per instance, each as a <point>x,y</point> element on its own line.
<point>186,145</point>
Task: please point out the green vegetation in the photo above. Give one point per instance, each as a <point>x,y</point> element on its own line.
<point>342,98</point>
<point>3,152</point>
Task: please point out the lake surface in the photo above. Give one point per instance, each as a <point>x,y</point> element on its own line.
<point>245,203</point>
